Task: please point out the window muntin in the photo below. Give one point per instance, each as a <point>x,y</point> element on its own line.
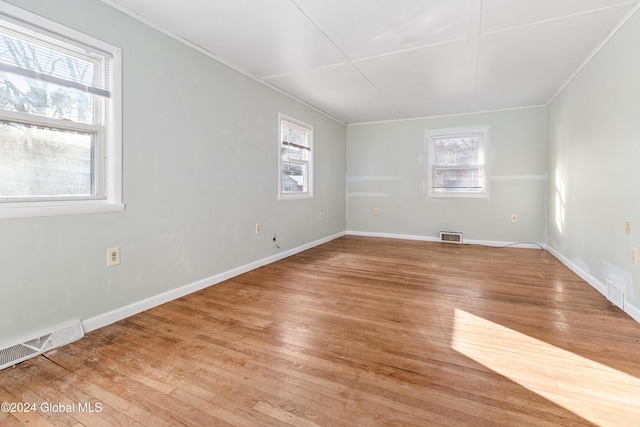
<point>295,159</point>
<point>60,131</point>
<point>457,163</point>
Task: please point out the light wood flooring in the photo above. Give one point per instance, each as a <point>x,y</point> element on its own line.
<point>356,332</point>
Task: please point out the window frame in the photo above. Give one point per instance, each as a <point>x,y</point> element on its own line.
<point>107,127</point>
<point>485,164</point>
<point>295,195</point>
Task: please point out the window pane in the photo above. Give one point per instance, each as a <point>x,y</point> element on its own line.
<point>294,153</point>
<point>36,97</point>
<point>27,53</point>
<point>462,179</point>
<point>294,177</point>
<point>26,66</point>
<point>457,151</point>
<point>294,135</point>
<point>40,161</point>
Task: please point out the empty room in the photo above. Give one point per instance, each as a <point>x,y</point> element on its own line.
<point>319,213</point>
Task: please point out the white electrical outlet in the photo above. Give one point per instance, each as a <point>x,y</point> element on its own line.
<point>376,212</point>
<point>113,257</point>
<point>321,216</point>
<point>627,228</point>
<point>514,218</point>
<point>634,255</point>
<point>258,228</point>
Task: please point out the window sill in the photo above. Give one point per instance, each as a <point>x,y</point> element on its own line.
<point>458,195</point>
<point>300,196</point>
<point>38,209</point>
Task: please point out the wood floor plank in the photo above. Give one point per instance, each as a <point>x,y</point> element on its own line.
<point>358,331</point>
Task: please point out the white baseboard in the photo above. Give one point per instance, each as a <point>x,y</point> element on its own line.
<point>113,316</point>
<point>393,236</point>
<point>632,311</point>
<point>493,243</point>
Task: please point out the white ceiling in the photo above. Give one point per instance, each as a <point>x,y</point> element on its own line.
<point>373,60</point>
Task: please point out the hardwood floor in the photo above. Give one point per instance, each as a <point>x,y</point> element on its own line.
<point>356,332</point>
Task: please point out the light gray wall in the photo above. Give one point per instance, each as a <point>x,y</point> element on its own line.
<point>386,164</point>
<point>200,170</point>
<point>594,163</point>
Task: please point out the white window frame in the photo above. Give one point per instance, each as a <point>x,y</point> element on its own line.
<point>108,129</point>
<point>484,161</point>
<point>308,192</point>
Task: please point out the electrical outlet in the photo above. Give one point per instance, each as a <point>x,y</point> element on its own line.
<point>627,228</point>
<point>634,255</point>
<point>376,212</point>
<point>321,216</point>
<point>514,218</point>
<point>258,228</point>
<point>113,257</point>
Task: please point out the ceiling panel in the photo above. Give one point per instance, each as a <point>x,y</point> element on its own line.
<point>340,91</point>
<point>364,60</point>
<point>421,82</point>
<point>262,38</point>
<point>365,28</point>
<point>527,65</point>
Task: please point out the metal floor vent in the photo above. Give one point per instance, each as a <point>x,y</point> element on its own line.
<point>31,347</point>
<point>451,237</point>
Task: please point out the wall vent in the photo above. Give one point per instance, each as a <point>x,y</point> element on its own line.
<point>451,237</point>
<point>615,291</point>
<point>31,347</point>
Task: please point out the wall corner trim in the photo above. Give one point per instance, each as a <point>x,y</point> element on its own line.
<point>105,319</point>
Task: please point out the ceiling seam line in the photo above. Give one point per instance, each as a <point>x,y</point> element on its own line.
<point>426,46</point>
<point>473,42</point>
<point>545,21</point>
<point>348,60</point>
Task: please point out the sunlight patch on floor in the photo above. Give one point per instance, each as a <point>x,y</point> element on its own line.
<point>589,389</point>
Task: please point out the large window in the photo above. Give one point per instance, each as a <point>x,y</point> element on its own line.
<point>458,165</point>
<point>60,132</point>
<point>296,159</point>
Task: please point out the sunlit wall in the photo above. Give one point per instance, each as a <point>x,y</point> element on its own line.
<point>594,164</point>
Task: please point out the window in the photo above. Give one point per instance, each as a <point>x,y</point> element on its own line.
<point>296,159</point>
<point>60,131</point>
<point>458,165</point>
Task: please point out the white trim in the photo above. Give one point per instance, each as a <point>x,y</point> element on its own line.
<point>632,311</point>
<point>484,132</point>
<point>308,193</point>
<point>493,243</point>
<point>502,244</point>
<point>440,116</point>
<point>60,208</point>
<point>392,236</point>
<point>108,156</point>
<point>104,319</point>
